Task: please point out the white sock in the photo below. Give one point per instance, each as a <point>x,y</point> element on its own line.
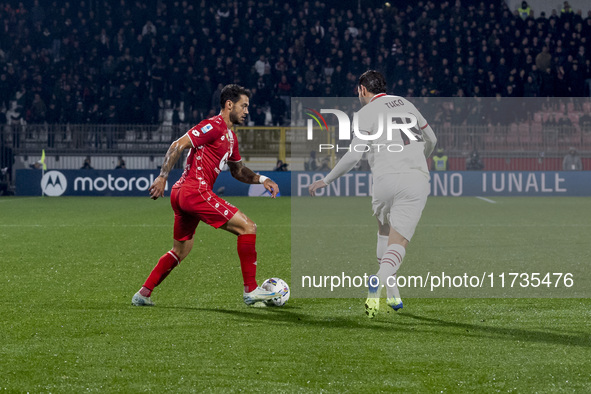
<point>391,261</point>
<point>392,291</point>
<point>382,246</point>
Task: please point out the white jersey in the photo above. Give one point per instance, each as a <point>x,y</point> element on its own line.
<point>395,155</point>
<point>399,153</point>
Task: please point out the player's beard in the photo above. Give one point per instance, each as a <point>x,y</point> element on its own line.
<point>235,119</point>
<point>363,101</point>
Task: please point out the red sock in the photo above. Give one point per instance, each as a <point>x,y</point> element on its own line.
<point>166,264</point>
<point>248,260</point>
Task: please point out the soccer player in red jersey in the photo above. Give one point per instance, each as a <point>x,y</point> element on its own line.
<point>212,145</point>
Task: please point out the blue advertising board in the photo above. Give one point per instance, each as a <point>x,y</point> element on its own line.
<point>462,183</point>
<point>127,183</point>
<point>359,184</point>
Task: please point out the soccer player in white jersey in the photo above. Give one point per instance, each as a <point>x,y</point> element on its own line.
<point>400,177</point>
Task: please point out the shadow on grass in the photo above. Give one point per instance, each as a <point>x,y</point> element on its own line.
<point>289,315</point>
<point>581,339</point>
<point>404,322</point>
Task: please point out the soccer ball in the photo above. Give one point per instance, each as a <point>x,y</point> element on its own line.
<point>279,286</point>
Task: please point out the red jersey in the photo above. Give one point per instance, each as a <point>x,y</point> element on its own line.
<point>214,144</point>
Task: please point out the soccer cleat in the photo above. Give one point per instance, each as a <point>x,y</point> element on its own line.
<point>372,304</point>
<point>140,300</point>
<point>258,294</point>
<point>394,303</point>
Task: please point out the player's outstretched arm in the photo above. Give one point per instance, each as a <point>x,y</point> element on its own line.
<point>319,184</point>
<point>172,156</point>
<point>346,164</point>
<point>244,174</point>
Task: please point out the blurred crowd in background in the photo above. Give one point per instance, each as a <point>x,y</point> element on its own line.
<point>114,62</point>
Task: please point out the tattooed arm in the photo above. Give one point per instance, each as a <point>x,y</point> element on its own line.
<point>172,156</point>
<point>244,174</point>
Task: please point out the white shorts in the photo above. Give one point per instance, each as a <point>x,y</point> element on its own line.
<point>399,199</point>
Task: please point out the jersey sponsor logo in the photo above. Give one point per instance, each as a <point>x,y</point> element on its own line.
<point>206,128</point>
<point>223,137</point>
<point>196,133</point>
<point>54,183</point>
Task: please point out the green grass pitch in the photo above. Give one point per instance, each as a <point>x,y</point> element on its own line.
<point>70,266</point>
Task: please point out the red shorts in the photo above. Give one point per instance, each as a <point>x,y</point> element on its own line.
<point>191,206</point>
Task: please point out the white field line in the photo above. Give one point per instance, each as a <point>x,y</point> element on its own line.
<point>486,199</point>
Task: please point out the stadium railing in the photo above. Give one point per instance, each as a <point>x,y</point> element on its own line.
<point>125,138</point>
<point>533,145</point>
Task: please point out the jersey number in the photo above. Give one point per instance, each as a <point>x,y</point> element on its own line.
<point>416,131</point>
<point>224,161</point>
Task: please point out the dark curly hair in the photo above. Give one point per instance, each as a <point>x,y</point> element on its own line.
<point>232,92</point>
<point>373,81</point>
